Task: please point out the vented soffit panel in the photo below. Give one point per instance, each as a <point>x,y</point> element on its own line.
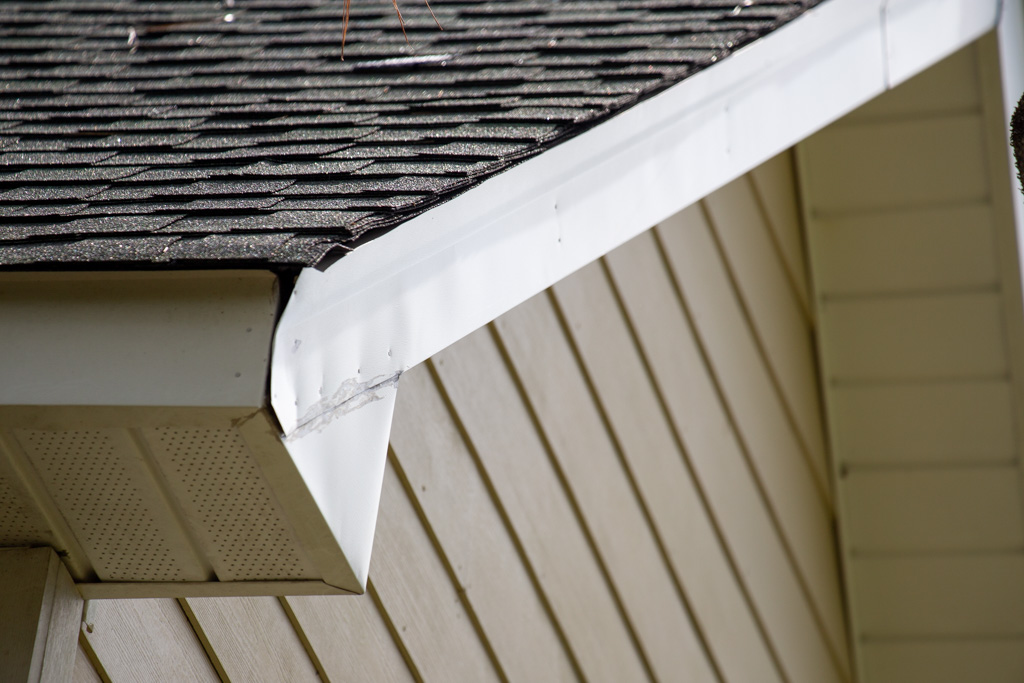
<point>135,440</point>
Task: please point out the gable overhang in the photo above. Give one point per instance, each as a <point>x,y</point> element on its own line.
<point>349,331</point>
<point>318,431</point>
<point>402,297</point>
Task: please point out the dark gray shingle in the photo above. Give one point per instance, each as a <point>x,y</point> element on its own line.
<point>155,133</point>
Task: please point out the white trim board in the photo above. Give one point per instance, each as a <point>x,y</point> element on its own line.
<point>399,299</point>
<point>117,590</point>
<point>919,32</point>
<point>186,338</point>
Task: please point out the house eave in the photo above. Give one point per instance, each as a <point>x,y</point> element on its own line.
<point>349,331</point>
<point>404,296</point>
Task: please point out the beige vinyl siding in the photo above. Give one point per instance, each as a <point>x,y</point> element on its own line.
<point>132,640</point>
<point>912,253</point>
<point>348,639</point>
<point>665,481</point>
<point>622,479</point>
<point>774,184</point>
<point>947,661</point>
<point>413,587</point>
<point>602,490</point>
<point>773,306</point>
<point>515,458</point>
<point>250,639</point>
<point>84,671</point>
<point>908,423</point>
<point>439,466</point>
<point>766,437</point>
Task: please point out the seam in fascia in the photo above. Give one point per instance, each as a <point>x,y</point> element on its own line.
<point>883,19</point>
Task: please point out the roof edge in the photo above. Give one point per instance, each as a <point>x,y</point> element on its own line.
<point>406,295</point>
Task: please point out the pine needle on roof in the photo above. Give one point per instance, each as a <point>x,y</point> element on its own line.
<point>401,22</point>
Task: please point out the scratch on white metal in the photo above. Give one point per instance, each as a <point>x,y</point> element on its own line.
<point>239,421</point>
<point>351,395</point>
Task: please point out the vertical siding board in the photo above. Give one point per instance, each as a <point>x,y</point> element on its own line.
<point>515,461</point>
<point>440,470</point>
<point>774,183</point>
<point>767,435</point>
<point>601,487</point>
<point>774,313</point>
<point>602,337</point>
<point>413,586</point>
<point>682,378</point>
<point>348,638</point>
<point>250,639</point>
<point>133,640</point>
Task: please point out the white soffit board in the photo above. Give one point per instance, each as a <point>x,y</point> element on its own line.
<point>151,501</point>
<point>404,296</point>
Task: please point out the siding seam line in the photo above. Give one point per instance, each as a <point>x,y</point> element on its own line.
<point>504,516</point>
<point>371,590</point>
<point>698,484</point>
<point>460,590</point>
<point>563,481</point>
<point>822,487</point>
<point>634,487</point>
<point>744,449</point>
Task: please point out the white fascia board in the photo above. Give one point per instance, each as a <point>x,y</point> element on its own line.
<point>402,297</point>
<point>341,459</point>
<point>921,32</point>
<point>188,338</point>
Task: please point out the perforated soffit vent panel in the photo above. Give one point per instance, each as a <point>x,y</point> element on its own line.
<point>134,441</point>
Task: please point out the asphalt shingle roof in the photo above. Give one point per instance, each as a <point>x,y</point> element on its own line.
<point>200,133</point>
